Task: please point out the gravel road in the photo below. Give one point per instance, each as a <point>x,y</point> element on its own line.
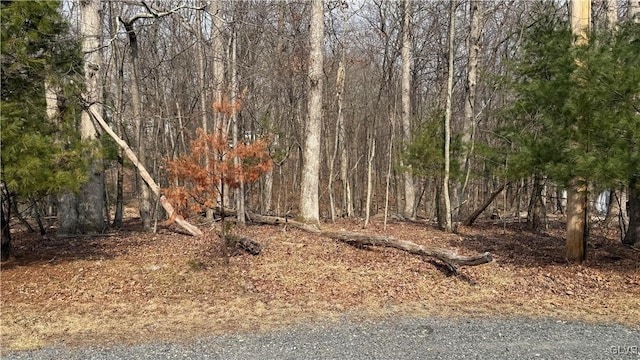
<point>414,338</point>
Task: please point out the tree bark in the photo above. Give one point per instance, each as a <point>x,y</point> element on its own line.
<point>193,230</point>
<point>469,123</point>
<point>447,118</point>
<point>449,257</point>
<point>469,221</point>
<point>576,212</point>
<point>84,213</point>
<point>309,197</point>
<point>632,237</point>
<point>5,218</point>
<point>372,154</point>
<point>407,60</point>
<point>144,196</point>
<point>577,191</point>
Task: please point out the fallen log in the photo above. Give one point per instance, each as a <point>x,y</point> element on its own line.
<point>449,257</point>
<point>144,174</point>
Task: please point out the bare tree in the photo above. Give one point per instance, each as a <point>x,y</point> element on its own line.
<point>409,188</point>
<point>309,202</point>
<point>469,123</point>
<point>447,116</point>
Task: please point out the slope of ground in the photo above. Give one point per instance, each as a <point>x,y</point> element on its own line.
<point>132,287</point>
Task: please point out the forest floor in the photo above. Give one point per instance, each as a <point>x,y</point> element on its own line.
<point>132,287</point>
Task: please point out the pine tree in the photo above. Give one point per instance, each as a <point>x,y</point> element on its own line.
<point>577,119</point>
<point>39,156</point>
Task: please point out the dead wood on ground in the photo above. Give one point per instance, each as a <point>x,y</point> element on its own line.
<point>449,257</point>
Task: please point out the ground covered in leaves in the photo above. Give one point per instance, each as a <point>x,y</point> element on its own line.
<point>132,287</point>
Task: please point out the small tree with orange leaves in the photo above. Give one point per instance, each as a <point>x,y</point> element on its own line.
<point>203,173</point>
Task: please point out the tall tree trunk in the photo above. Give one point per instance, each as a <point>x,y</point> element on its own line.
<point>144,195</point>
<point>239,192</point>
<point>203,95</point>
<point>309,201</point>
<point>218,51</point>
<point>447,118</point>
<point>469,123</point>
<point>632,236</point>
<point>118,96</point>
<point>409,187</point>
<point>577,191</point>
<point>84,212</point>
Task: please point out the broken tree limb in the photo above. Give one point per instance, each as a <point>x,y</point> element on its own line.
<point>469,221</point>
<point>451,258</point>
<point>144,174</point>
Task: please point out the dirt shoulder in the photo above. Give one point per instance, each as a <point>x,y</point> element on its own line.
<point>133,288</point>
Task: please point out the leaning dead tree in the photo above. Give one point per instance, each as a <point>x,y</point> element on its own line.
<point>450,258</point>
<point>144,174</point>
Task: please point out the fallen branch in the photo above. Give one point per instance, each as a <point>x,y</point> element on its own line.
<point>451,258</point>
<point>144,174</point>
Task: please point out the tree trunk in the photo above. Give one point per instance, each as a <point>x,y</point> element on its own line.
<point>84,213</point>
<point>632,236</point>
<point>536,208</point>
<point>469,221</point>
<point>144,196</point>
<point>576,224</point>
<point>5,218</point>
<point>577,191</point>
<point>309,200</point>
<point>338,145</point>
<point>267,191</point>
<point>239,192</point>
<point>409,187</point>
<point>469,123</point>
<point>372,154</point>
<point>447,118</point>
<point>116,64</point>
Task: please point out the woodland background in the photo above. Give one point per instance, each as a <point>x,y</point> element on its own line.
<point>411,103</point>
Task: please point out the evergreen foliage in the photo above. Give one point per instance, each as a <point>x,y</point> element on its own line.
<point>39,156</point>
<point>425,153</point>
<point>575,113</point>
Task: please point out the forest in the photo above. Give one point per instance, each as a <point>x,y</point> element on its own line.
<point>216,120</point>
